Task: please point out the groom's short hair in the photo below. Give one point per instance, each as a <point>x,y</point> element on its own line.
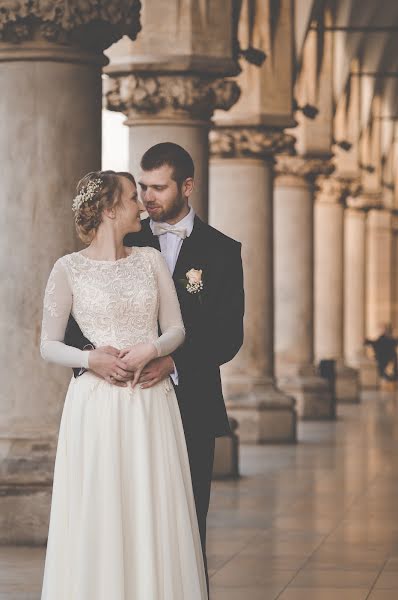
<point>173,155</point>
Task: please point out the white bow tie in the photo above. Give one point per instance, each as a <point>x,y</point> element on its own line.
<point>161,228</point>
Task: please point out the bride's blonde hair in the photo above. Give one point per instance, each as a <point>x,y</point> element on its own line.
<point>95,192</point>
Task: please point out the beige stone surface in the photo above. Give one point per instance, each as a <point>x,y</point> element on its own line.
<point>265,423</point>
<point>368,375</point>
<point>241,207</point>
<point>51,115</point>
<point>226,458</point>
<point>354,285</point>
<point>294,285</point>
<point>267,98</point>
<point>293,267</point>
<point>58,101</point>
<point>347,383</point>
<point>328,276</point>
<point>378,273</point>
<point>179,36</point>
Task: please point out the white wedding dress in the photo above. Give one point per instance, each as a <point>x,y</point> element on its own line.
<point>123,524</point>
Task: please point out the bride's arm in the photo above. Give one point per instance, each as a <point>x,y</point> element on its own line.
<point>170,319</point>
<point>56,311</point>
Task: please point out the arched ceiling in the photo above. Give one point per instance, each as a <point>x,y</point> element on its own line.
<point>365,32</point>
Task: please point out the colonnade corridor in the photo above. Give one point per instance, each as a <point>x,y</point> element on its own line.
<point>315,521</point>
<point>312,521</point>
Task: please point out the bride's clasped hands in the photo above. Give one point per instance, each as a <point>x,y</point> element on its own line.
<point>122,367</point>
<point>136,358</point>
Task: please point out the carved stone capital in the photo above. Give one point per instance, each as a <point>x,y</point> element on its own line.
<point>366,201</point>
<point>335,190</point>
<point>169,95</point>
<point>300,166</point>
<point>257,142</point>
<point>93,24</point>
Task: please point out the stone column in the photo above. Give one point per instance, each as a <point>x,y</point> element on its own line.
<point>50,63</point>
<point>355,297</point>
<point>172,108</point>
<point>294,285</point>
<point>394,307</point>
<point>241,190</point>
<point>329,285</point>
<point>379,273</point>
<point>169,82</point>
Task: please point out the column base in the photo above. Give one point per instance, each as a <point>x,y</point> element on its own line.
<point>388,386</point>
<point>347,385</point>
<point>226,456</point>
<point>265,416</point>
<point>26,476</point>
<point>368,374</point>
<point>313,396</point>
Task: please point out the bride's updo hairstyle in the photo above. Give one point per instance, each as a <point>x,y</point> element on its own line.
<point>95,192</point>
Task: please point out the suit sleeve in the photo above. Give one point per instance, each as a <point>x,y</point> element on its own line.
<point>217,338</point>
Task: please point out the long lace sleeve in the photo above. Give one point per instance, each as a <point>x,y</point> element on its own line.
<point>56,310</point>
<point>170,319</point>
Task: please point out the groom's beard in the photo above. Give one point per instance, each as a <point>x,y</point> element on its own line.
<point>171,212</point>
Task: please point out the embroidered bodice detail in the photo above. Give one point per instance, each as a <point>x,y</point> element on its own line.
<point>118,303</point>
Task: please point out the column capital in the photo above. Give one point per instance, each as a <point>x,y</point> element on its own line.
<point>304,167</point>
<point>365,202</point>
<point>92,25</point>
<point>254,142</point>
<point>334,189</point>
<point>169,96</point>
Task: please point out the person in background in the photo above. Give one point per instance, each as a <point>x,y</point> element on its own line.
<point>385,351</point>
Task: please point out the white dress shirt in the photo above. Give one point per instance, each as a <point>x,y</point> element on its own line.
<point>170,246</point>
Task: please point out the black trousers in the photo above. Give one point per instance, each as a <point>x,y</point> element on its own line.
<point>201,458</point>
<point>383,363</point>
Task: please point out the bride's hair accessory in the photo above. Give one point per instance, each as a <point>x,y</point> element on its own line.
<point>86,194</point>
<point>96,191</point>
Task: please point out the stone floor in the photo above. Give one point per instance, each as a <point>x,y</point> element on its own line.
<point>316,521</point>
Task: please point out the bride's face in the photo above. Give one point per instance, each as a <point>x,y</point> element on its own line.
<point>129,209</point>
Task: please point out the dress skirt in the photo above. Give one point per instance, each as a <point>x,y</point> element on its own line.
<point>123,523</point>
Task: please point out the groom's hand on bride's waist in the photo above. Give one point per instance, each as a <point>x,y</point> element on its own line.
<point>155,371</point>
<point>105,362</point>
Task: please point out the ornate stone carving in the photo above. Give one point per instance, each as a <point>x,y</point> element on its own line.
<point>137,95</point>
<point>336,189</point>
<point>249,141</point>
<point>366,201</point>
<point>299,166</point>
<point>93,24</point>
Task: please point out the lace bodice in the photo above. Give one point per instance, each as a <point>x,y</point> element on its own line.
<point>117,303</point>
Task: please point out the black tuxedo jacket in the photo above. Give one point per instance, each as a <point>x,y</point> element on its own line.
<point>213,323</point>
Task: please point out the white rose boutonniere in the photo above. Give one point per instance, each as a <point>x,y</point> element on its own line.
<point>193,282</point>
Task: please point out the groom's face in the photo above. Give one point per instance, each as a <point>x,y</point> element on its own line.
<point>161,195</point>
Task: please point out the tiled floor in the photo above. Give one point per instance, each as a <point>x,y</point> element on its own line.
<point>316,521</point>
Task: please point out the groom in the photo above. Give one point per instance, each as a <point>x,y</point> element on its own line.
<point>212,305</point>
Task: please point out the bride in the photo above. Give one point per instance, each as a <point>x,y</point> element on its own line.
<point>123,523</point>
